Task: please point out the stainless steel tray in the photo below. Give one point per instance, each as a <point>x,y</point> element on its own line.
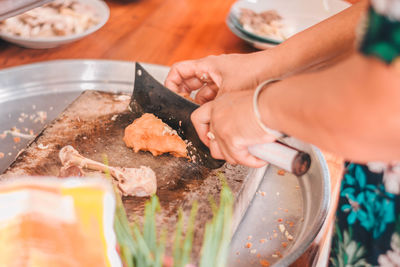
<point>283,202</point>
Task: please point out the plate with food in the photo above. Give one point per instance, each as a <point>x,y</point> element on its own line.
<point>56,23</point>
<point>275,21</point>
<point>256,42</point>
<point>60,118</point>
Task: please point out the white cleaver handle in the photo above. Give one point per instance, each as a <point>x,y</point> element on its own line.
<point>283,156</point>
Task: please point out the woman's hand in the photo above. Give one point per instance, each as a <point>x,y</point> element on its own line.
<point>227,125</point>
<point>214,75</point>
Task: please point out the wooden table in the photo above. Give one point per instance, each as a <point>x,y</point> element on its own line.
<point>153,31</point>
<point>161,32</point>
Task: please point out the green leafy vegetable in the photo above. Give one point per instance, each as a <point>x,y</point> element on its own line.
<point>143,248</point>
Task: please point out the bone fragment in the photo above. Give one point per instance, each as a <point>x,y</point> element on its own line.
<point>139,182</point>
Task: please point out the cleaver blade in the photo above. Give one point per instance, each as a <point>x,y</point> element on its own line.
<point>149,96</point>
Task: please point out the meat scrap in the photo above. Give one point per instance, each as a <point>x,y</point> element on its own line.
<point>71,171</point>
<point>138,182</point>
<point>149,133</point>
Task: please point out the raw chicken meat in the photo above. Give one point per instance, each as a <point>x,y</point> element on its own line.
<point>149,133</point>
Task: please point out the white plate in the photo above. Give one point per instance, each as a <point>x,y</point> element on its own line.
<point>257,43</point>
<point>101,10</point>
<point>297,15</point>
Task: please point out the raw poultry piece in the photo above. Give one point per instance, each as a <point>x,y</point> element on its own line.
<point>139,182</point>
<point>149,133</point>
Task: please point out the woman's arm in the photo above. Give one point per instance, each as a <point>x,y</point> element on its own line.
<point>320,45</point>
<point>323,44</point>
<point>352,109</point>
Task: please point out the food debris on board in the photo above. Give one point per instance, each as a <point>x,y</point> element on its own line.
<point>43,147</point>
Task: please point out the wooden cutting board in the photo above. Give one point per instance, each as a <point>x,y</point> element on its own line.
<point>94,125</point>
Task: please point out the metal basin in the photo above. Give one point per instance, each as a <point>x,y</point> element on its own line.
<point>285,215</point>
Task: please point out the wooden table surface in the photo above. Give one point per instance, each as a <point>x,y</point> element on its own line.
<point>153,31</point>
<point>159,32</point>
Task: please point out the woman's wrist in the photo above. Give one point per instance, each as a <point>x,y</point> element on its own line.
<point>265,65</point>
<point>262,110</point>
<point>259,112</point>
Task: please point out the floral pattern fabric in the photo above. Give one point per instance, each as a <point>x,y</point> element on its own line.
<point>367,227</point>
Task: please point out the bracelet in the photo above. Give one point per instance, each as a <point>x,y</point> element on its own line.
<point>257,112</point>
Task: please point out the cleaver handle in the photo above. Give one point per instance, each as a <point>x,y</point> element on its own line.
<point>283,156</point>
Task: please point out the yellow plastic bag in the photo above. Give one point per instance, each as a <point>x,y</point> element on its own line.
<point>57,222</point>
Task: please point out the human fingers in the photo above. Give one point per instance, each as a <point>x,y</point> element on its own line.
<point>241,155</point>
<point>245,158</point>
<point>184,71</point>
<point>206,93</point>
<point>173,80</point>
<point>194,83</point>
<point>201,122</point>
<point>178,73</point>
<point>215,147</point>
<point>215,151</point>
<point>203,69</point>
<point>191,84</point>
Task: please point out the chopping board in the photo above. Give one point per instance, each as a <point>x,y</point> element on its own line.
<point>94,125</point>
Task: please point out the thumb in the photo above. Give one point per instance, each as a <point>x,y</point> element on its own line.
<point>201,121</point>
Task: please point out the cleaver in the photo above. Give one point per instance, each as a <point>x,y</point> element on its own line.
<point>149,96</point>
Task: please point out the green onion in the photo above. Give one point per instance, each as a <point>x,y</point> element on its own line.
<point>142,248</point>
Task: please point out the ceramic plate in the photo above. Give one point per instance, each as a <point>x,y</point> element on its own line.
<point>101,10</point>
<point>297,15</point>
<point>256,42</point>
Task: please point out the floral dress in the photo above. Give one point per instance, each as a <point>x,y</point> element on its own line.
<point>367,227</point>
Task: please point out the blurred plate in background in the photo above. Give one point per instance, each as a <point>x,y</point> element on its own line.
<point>259,44</point>
<point>297,15</point>
<point>9,8</point>
<point>99,7</point>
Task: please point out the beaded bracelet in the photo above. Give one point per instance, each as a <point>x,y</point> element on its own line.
<point>257,112</point>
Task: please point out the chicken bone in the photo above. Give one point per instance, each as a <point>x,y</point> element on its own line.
<point>139,182</point>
